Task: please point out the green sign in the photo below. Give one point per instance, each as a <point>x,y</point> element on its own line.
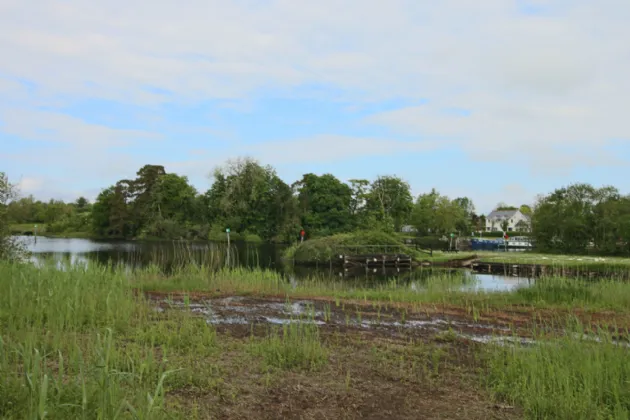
<point>452,235</point>
<point>227,230</point>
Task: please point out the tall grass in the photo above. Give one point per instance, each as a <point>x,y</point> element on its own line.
<point>81,343</point>
<point>579,376</point>
<point>296,346</point>
<point>77,343</point>
<point>441,288</point>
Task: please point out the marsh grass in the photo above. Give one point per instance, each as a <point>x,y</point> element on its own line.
<point>80,343</point>
<point>297,345</point>
<point>582,375</point>
<point>441,288</point>
<point>77,343</point>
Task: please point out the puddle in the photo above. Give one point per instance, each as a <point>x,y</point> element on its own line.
<point>248,311</point>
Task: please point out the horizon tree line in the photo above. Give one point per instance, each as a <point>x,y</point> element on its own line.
<point>255,203</point>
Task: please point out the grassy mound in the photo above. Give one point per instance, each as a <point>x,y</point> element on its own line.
<point>362,242</point>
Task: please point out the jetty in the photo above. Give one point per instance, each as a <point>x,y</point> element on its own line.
<point>376,260</point>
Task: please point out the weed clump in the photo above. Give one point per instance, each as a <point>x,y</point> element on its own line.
<point>579,376</point>
<point>296,346</point>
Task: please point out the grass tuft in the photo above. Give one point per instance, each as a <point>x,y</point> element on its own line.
<point>296,346</point>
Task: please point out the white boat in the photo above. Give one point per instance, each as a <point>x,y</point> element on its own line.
<point>518,242</point>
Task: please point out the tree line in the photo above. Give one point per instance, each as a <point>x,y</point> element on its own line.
<point>581,218</point>
<point>251,200</point>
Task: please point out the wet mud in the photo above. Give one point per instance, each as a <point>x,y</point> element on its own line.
<point>510,327</point>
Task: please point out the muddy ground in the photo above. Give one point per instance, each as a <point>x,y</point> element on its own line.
<point>384,361</point>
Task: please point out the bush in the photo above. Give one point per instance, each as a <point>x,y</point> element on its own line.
<point>361,242</point>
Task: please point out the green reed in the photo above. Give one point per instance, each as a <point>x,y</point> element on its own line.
<point>581,375</point>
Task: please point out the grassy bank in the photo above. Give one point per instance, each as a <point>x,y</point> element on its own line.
<point>42,230</point>
<point>81,343</point>
<point>570,261</point>
<point>362,242</point>
<point>447,289</point>
<point>19,229</point>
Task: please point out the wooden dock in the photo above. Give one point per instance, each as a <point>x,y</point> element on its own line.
<point>376,260</point>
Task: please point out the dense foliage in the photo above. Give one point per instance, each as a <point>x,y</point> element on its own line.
<point>247,197</point>
<point>581,218</point>
<point>9,248</point>
<point>255,203</point>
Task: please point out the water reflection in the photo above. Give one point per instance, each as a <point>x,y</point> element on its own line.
<point>169,256</point>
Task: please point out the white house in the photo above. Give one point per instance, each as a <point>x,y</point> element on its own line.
<point>516,221</point>
<point>408,229</point>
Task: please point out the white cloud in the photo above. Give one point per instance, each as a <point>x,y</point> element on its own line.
<point>58,127</point>
<point>316,149</point>
<point>549,89</point>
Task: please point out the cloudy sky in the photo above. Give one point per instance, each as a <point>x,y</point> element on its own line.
<point>498,100</point>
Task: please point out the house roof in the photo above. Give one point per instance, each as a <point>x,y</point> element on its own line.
<point>502,214</point>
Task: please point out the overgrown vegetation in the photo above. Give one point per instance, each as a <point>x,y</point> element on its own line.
<point>81,343</point>
<point>10,249</point>
<point>296,346</point>
<point>251,200</point>
<point>360,242</point>
<point>581,218</point>
<point>583,375</point>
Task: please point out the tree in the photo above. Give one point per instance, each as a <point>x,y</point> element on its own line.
<point>360,191</point>
<point>503,207</point>
<point>437,214</point>
<point>10,249</point>
<point>324,204</point>
<point>82,205</point>
<point>390,199</point>
<point>612,227</point>
<point>566,219</point>
<point>174,198</point>
<point>251,198</point>
<point>140,193</point>
<point>469,220</point>
<point>111,215</point>
<point>526,210</point>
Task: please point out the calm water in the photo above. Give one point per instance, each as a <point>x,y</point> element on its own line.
<point>170,255</point>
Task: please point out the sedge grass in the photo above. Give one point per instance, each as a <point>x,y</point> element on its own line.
<point>77,343</point>
<point>581,375</point>
<point>296,346</point>
<point>450,289</point>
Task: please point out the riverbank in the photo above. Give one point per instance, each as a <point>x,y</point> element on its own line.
<point>530,262</point>
<point>249,344</point>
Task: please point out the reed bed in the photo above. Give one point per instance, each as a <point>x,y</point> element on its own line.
<point>78,341</point>
<point>582,375</point>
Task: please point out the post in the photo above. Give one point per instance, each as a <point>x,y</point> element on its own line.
<point>227,231</point>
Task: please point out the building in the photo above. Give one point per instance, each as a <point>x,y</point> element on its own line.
<point>408,229</point>
<point>516,221</point>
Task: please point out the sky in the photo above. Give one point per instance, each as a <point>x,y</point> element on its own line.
<point>497,100</point>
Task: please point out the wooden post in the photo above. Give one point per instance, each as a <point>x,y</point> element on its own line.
<point>227,231</point>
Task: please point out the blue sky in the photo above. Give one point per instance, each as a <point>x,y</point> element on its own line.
<point>496,100</point>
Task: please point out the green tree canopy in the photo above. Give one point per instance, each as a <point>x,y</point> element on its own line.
<point>436,214</point>
<point>571,218</point>
<point>324,204</point>
<point>389,199</point>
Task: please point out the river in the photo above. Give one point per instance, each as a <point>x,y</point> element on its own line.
<point>169,255</point>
